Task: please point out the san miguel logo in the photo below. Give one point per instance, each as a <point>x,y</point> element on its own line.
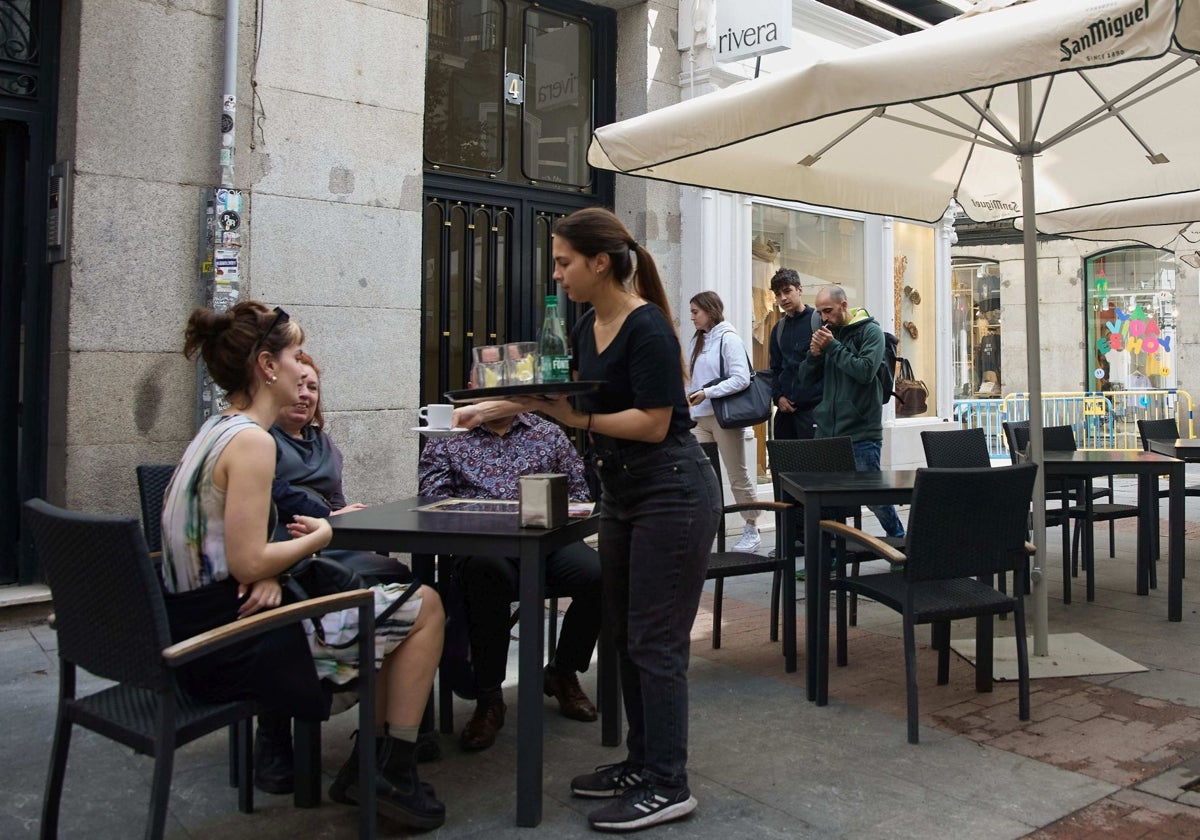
<point>995,204</point>
<point>1102,30</point>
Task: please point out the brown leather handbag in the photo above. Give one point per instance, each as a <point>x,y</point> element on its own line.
<point>912,397</point>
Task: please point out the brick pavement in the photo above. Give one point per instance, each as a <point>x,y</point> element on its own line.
<point>1077,724</point>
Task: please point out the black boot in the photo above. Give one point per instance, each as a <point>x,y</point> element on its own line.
<point>399,794</point>
<point>345,784</point>
<point>274,770</point>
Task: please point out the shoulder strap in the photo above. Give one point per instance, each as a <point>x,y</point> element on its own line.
<point>721,354</point>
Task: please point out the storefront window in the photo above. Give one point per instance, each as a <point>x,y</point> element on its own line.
<point>915,255</point>
<point>975,329</point>
<point>1131,322</point>
<point>821,249</point>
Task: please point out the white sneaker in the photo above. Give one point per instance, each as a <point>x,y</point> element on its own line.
<point>750,540</point>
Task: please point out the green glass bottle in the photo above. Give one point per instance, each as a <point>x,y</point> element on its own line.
<point>553,353</point>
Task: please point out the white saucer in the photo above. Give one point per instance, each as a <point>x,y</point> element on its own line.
<point>436,433</point>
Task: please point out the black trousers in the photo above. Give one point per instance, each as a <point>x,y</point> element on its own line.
<point>799,425</point>
<point>490,585</point>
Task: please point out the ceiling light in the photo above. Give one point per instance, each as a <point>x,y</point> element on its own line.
<point>1192,259</point>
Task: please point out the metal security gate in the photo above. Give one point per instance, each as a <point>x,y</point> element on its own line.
<point>487,269</point>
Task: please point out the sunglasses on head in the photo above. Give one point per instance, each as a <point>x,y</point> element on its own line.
<point>281,317</point>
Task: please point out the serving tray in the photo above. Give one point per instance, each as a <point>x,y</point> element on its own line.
<point>533,389</point>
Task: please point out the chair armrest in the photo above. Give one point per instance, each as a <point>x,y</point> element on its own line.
<point>873,543</point>
<point>225,635</point>
<point>778,507</point>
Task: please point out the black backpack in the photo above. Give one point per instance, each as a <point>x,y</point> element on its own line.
<point>887,368</point>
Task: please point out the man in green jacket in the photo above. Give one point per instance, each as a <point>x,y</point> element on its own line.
<point>844,357</point>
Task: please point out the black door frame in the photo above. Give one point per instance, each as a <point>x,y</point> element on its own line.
<point>28,376</point>
<point>523,309</point>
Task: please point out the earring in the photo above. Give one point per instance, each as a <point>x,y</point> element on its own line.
<point>272,379</point>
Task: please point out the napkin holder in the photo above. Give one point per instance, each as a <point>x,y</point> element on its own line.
<point>542,500</point>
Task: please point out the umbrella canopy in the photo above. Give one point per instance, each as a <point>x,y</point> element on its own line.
<point>1169,221</point>
<point>1012,109</point>
<point>899,127</point>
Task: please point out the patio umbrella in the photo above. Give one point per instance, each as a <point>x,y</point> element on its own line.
<point>1168,221</point>
<point>1012,109</point>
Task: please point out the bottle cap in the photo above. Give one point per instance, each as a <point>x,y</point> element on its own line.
<point>552,300</point>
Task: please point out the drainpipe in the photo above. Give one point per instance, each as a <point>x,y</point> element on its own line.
<point>222,230</point>
<point>229,92</point>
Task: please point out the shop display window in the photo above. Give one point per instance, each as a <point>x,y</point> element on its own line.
<point>822,249</point>
<point>914,312</point>
<point>975,326</point>
<point>1132,314</point>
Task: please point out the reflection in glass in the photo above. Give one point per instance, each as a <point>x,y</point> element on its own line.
<point>558,99</point>
<point>464,85</point>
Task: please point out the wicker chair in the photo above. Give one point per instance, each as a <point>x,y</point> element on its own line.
<point>956,448</point>
<point>724,564</point>
<point>1062,439</point>
<point>112,622</point>
<point>950,544</point>
<point>1166,429</point>
<point>152,481</point>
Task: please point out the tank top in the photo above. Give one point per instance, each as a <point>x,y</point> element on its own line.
<point>193,516</point>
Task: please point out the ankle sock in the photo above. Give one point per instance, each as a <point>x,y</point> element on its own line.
<point>403,733</point>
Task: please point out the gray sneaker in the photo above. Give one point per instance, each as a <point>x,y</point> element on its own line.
<point>644,806</point>
<point>608,780</point>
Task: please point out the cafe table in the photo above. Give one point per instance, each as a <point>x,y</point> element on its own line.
<point>817,490</point>
<point>402,527</point>
<point>1185,449</point>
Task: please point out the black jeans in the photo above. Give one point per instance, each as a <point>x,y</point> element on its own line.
<point>658,518</point>
<point>489,586</point>
<point>799,425</point>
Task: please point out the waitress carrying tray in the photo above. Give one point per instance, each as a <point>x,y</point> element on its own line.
<point>465,396</point>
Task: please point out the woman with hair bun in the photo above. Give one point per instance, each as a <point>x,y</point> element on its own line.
<point>219,565</point>
<point>658,512</point>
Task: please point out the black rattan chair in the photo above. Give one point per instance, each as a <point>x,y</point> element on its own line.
<point>956,448</point>
<point>152,481</point>
<point>964,527</point>
<point>1167,429</point>
<point>1062,439</point>
<point>724,564</point>
<point>112,622</point>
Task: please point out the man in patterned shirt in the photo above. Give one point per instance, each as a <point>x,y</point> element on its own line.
<point>486,463</point>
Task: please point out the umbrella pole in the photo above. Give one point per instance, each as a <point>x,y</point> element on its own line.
<point>1041,630</point>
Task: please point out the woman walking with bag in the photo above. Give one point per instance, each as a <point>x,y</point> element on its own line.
<point>658,510</point>
<point>719,367</point>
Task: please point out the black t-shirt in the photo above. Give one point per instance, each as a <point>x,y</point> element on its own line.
<point>641,367</point>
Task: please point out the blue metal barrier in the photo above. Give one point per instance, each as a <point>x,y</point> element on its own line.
<point>1101,420</point>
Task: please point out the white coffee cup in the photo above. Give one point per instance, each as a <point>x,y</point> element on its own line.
<point>436,416</point>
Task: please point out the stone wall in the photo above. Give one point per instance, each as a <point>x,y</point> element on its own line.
<point>330,158</point>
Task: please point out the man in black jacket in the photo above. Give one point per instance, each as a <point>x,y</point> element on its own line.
<point>790,340</point>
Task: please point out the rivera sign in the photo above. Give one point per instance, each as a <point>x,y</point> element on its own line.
<point>746,28</point>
